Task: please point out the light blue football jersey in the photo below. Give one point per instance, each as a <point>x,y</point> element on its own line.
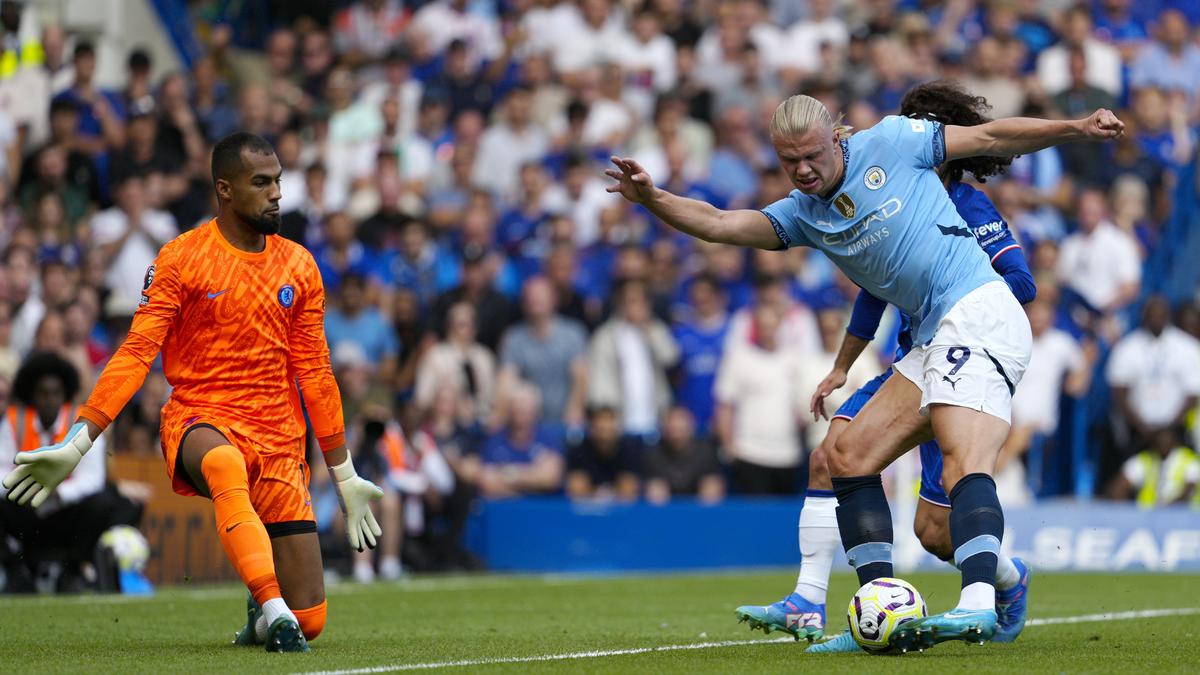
<point>890,226</point>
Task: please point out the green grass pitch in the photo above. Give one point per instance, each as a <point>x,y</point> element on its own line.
<point>476,619</point>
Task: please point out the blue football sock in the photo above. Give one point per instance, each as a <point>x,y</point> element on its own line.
<point>866,525</point>
<point>976,527</point>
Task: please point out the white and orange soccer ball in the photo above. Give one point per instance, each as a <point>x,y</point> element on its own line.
<point>879,608</point>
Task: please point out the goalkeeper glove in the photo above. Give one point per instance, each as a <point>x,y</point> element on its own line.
<point>39,471</point>
<point>356,494</point>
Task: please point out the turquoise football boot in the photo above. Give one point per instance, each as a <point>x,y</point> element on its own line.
<point>1012,605</point>
<point>247,635</point>
<point>842,644</point>
<point>793,615</point>
<point>970,626</point>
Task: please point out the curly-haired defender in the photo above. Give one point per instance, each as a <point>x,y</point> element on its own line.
<point>947,102</point>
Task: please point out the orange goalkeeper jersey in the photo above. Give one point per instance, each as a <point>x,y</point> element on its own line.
<point>237,332</point>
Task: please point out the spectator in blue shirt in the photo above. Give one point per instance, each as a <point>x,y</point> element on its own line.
<point>521,458</point>
<point>1172,61</point>
<point>420,265</point>
<point>351,319</point>
<point>101,114</point>
<point>701,336</point>
<point>341,254</point>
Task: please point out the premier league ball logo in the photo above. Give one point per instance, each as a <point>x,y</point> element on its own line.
<point>287,296</point>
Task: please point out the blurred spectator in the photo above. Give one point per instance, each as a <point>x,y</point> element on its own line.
<point>138,95</point>
<point>463,84</point>
<point>1115,23</point>
<point>1170,62</point>
<point>759,403</point>
<point>507,145</point>
<point>561,266</point>
<point>603,465</point>
<point>350,147</point>
<point>101,124</point>
<point>9,358</point>
<point>1154,373</point>
<point>443,22</point>
<point>1162,130</point>
<point>596,36</point>
<point>419,264</point>
<point>67,527</point>
<point>477,287</point>
<point>628,360</point>
<point>523,457</point>
<point>129,235</point>
<point>364,30</point>
<point>816,364</point>
<point>214,105</point>
<point>397,85</point>
<point>1058,365</point>
<point>1103,60</point>
<point>807,37</point>
<point>701,336</point>
<point>1100,263</point>
<point>460,364</point>
<point>648,59</point>
<point>1165,473</point>
<point>990,80</point>
<point>21,272</point>
<point>682,464</point>
<point>1078,100</point>
<point>798,330</point>
<point>351,319</point>
<point>52,171</point>
<point>549,352</point>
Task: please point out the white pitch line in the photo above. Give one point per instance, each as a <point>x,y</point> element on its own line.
<point>1114,616</point>
<point>1049,621</point>
<point>547,657</point>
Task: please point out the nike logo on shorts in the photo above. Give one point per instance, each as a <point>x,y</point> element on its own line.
<point>213,295</point>
<point>230,528</point>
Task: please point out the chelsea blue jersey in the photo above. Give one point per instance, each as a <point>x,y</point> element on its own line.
<point>992,235</point>
<point>890,226</point>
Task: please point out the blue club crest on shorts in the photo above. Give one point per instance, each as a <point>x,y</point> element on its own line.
<point>287,296</point>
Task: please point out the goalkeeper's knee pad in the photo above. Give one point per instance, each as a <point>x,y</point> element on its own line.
<point>312,620</point>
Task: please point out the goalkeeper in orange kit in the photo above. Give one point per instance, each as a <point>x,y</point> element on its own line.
<point>239,317</point>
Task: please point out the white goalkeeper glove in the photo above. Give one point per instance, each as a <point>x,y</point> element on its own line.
<point>356,494</point>
<point>39,471</point>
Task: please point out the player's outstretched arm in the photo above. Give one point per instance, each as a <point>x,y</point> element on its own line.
<point>1021,135</point>
<point>693,217</point>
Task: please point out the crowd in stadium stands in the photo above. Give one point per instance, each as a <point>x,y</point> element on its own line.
<point>500,325</point>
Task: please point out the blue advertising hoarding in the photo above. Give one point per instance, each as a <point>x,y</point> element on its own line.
<point>555,535</point>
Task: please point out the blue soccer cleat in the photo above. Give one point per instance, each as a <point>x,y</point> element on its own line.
<point>283,635</point>
<point>793,615</point>
<point>970,626</point>
<point>247,635</point>
<point>1012,605</point>
<point>842,644</point>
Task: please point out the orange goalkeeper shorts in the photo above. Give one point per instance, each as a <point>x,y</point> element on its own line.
<point>278,476</point>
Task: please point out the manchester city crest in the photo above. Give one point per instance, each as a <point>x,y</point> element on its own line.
<point>845,205</point>
<point>874,178</point>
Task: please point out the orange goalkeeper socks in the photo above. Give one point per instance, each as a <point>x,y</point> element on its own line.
<point>241,531</point>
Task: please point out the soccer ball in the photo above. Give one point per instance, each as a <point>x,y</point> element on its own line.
<point>878,609</point>
<point>129,548</point>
